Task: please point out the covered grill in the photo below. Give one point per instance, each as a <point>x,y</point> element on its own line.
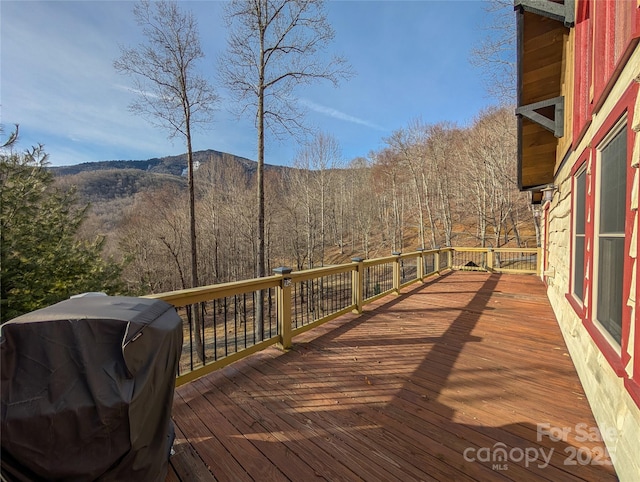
<point>87,389</point>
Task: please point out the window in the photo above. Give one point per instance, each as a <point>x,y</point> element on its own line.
<point>610,235</point>
<point>579,234</point>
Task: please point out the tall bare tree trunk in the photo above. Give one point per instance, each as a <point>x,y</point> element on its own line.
<point>170,89</point>
<point>418,195</point>
<point>273,47</point>
<point>260,264</point>
<point>194,247</point>
<point>432,224</point>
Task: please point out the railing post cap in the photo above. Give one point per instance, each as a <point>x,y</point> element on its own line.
<point>357,259</point>
<point>282,270</point>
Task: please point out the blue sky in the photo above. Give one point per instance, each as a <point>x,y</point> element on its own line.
<point>57,80</point>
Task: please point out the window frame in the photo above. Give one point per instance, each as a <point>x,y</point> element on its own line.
<point>583,164</point>
<point>621,126</point>
<point>617,358</point>
<point>581,171</point>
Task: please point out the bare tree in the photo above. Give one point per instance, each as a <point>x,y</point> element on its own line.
<point>317,162</point>
<point>307,201</point>
<point>274,46</point>
<point>226,220</point>
<point>11,138</point>
<point>338,210</point>
<point>171,94</point>
<point>491,152</point>
<point>409,145</point>
<point>363,204</point>
<point>388,180</point>
<point>154,237</point>
<point>442,152</point>
<point>495,56</point>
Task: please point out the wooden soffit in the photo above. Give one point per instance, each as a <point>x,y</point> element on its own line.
<point>542,26</point>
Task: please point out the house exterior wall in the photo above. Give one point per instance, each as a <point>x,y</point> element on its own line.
<point>609,374</point>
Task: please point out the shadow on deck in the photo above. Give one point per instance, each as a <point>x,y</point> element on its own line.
<point>463,378</point>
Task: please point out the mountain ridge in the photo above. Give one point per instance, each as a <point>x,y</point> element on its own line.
<point>106,180</point>
<point>163,165</point>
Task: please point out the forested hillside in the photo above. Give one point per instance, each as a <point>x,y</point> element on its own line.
<point>431,185</point>
<point>110,187</point>
<point>209,217</point>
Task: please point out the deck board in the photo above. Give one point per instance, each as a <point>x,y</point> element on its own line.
<point>467,362</point>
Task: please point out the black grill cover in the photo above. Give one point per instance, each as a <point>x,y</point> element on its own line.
<point>87,390</point>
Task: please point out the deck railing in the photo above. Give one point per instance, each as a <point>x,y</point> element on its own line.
<point>503,260</point>
<point>221,323</point>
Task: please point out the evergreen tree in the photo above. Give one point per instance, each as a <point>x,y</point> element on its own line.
<point>42,259</point>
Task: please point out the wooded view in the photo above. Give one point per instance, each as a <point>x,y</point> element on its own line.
<point>431,185</point>
<point>210,217</point>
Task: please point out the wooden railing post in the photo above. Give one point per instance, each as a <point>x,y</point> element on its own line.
<point>489,259</point>
<point>357,284</point>
<point>420,265</point>
<point>283,306</point>
<point>396,272</point>
<point>436,261</point>
<point>450,258</point>
<point>539,261</point>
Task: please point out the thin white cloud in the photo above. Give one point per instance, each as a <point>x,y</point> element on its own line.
<point>336,114</point>
<point>146,93</point>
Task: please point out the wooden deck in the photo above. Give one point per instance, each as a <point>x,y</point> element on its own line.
<point>428,385</point>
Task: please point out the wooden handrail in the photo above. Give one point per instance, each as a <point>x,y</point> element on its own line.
<point>314,273</point>
<point>282,284</point>
<point>499,250</point>
<point>200,294</point>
